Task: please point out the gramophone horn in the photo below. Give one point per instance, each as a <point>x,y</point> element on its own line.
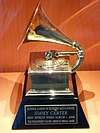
<point>41,29</point>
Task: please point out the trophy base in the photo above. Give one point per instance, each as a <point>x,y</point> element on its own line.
<point>45,111</point>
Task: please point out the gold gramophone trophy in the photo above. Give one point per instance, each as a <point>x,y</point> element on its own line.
<point>51,99</point>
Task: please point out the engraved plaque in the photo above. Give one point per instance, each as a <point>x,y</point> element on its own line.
<point>51,114</point>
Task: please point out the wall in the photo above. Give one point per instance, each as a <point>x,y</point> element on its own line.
<point>78,19</point>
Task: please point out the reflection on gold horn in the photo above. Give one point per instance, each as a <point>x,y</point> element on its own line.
<point>41,29</point>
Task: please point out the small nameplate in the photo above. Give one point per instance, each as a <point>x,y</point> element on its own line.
<point>51,114</point>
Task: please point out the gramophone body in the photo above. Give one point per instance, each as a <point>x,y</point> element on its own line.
<point>48,75</point>
<point>51,98</point>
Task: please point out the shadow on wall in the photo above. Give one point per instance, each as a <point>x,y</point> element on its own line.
<point>84,95</point>
<point>16,95</point>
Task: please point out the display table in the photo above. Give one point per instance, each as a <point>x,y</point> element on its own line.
<point>11,89</point>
